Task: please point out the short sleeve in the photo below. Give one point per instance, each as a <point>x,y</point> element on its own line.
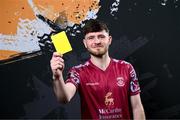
<point>73,77</point>
<point>134,83</point>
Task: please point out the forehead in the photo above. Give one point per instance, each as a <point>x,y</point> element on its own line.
<point>97,33</point>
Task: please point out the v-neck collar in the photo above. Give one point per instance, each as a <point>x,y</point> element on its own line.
<point>99,69</point>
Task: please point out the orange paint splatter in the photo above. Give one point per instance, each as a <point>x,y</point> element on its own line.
<point>6,54</point>
<point>10,12</point>
<point>75,11</point>
<point>59,11</point>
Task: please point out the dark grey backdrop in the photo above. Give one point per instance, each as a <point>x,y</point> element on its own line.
<point>145,33</point>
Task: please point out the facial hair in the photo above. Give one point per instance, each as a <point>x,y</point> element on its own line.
<point>98,53</point>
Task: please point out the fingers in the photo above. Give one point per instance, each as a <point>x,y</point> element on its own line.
<point>56,62</point>
<point>56,54</point>
<point>57,58</point>
<point>57,65</point>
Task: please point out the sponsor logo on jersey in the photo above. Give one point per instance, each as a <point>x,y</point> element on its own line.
<point>114,113</point>
<point>92,83</point>
<point>120,81</point>
<point>109,100</point>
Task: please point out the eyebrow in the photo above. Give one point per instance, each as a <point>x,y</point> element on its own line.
<point>97,35</point>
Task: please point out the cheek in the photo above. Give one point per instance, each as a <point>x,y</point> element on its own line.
<point>88,44</point>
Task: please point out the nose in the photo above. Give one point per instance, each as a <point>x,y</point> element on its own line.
<point>97,40</point>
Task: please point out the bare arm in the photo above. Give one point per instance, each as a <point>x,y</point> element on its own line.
<point>137,108</point>
<point>64,92</point>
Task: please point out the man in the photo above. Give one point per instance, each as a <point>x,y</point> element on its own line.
<point>108,88</point>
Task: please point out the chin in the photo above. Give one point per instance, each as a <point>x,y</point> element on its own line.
<point>98,54</point>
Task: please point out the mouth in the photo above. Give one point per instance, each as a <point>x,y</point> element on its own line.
<point>98,47</point>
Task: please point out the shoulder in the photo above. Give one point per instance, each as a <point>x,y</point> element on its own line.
<point>121,62</point>
<point>81,67</point>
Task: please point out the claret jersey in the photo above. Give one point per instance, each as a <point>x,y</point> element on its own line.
<point>105,94</point>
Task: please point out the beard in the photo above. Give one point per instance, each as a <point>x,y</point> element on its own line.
<point>98,52</point>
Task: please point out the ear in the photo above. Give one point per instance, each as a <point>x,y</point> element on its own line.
<point>84,41</point>
<point>110,40</point>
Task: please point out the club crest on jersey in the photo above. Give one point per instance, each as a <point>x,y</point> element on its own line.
<point>120,81</point>
<point>109,100</point>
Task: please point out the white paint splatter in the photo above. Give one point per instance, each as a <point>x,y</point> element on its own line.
<point>34,8</point>
<point>26,38</point>
<point>114,7</point>
<point>176,3</point>
<point>163,2</point>
<point>75,28</point>
<point>91,14</point>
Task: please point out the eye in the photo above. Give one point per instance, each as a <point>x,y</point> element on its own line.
<point>101,36</point>
<point>90,38</point>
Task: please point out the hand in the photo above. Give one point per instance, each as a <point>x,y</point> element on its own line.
<point>57,64</point>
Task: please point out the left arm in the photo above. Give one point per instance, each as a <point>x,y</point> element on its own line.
<point>137,107</point>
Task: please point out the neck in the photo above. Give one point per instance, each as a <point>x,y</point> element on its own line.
<point>101,62</point>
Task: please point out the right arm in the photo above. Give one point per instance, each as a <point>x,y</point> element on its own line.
<point>63,91</point>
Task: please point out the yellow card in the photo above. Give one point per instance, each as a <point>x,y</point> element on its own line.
<point>61,42</point>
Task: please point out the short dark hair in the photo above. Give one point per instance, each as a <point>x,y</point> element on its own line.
<point>94,26</point>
